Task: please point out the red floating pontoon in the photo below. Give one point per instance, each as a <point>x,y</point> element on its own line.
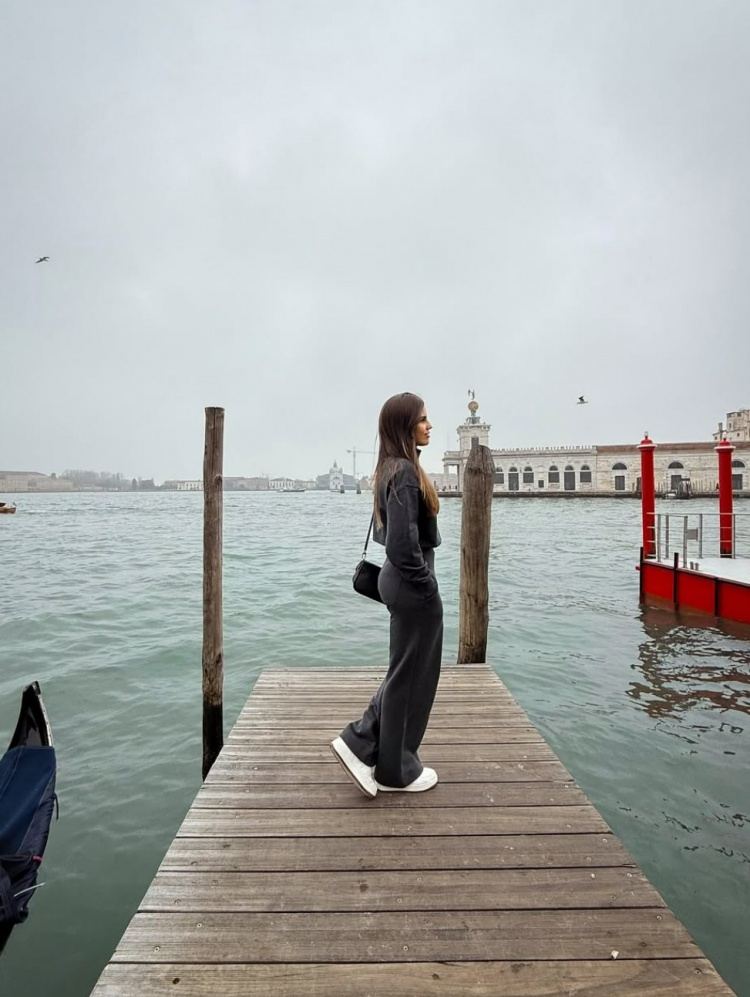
<point>690,561</point>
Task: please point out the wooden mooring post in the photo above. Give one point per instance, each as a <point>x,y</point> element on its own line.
<point>476,519</point>
<point>213,637</point>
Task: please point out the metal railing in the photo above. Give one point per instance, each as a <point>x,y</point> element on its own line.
<point>696,535</point>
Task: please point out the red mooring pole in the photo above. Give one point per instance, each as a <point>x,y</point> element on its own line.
<point>726,531</point>
<point>648,498</point>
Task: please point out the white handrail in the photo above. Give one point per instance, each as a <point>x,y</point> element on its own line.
<point>696,535</point>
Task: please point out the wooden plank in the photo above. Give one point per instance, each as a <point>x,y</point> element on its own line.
<point>335,796</point>
<point>499,711</point>
<point>321,773</point>
<point>355,695</point>
<point>356,704</point>
<point>356,690</point>
<point>477,758</point>
<point>437,735</point>
<point>535,851</point>
<point>465,821</point>
<point>305,773</point>
<point>314,719</point>
<point>620,978</point>
<point>403,936</point>
<point>274,670</point>
<point>401,890</point>
<point>506,761</point>
<point>362,684</point>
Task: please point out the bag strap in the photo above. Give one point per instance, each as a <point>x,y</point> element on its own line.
<point>367,539</point>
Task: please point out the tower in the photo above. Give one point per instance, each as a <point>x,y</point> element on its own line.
<point>472,427</point>
<point>336,478</point>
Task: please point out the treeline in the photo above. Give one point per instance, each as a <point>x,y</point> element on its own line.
<point>108,481</point>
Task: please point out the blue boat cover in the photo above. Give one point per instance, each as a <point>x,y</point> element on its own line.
<point>27,800</point>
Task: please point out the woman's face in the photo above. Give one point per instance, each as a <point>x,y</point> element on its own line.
<point>422,429</point>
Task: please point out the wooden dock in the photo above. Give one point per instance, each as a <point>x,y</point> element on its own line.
<point>503,881</point>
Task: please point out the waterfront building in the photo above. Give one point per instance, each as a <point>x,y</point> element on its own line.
<point>33,481</point>
<point>253,484</point>
<point>183,486</point>
<point>611,469</point>
<point>285,485</point>
<point>335,480</point>
<point>737,428</point>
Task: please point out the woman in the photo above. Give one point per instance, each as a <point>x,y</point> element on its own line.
<point>379,751</point>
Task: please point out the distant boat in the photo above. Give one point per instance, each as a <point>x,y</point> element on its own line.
<point>27,793</point>
<point>7,508</point>
<point>292,489</point>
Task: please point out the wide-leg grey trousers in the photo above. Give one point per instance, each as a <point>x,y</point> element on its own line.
<point>391,730</point>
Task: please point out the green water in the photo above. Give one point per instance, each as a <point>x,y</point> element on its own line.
<point>102,604</point>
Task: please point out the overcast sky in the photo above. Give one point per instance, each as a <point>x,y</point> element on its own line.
<point>296,208</point>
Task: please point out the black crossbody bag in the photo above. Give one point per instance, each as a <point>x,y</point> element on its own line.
<point>365,577</point>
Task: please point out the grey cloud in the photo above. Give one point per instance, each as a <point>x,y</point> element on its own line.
<point>296,209</point>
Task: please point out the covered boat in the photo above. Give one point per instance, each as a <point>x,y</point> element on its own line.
<point>27,800</point>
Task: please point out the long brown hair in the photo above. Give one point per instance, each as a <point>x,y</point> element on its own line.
<point>398,417</point>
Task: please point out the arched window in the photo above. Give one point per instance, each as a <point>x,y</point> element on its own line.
<point>585,474</point>
<point>553,475</point>
<point>676,465</point>
<point>528,475</point>
<point>619,467</point>
<point>738,463</point>
<point>738,475</point>
<point>513,470</point>
<point>568,467</point>
<point>499,477</point>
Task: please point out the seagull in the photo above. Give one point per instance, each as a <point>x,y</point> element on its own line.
<point>581,400</point>
<point>42,259</point>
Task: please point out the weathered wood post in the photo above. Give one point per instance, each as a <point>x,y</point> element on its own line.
<point>476,518</point>
<point>213,640</point>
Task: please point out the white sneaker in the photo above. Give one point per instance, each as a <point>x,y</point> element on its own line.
<point>426,780</point>
<point>360,774</point>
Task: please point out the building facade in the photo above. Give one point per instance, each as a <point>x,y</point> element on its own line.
<point>737,427</point>
<point>259,483</point>
<point>286,485</point>
<point>335,480</point>
<point>33,481</point>
<point>680,468</point>
<point>183,486</point>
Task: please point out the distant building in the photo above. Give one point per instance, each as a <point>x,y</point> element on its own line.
<point>183,486</point>
<point>737,428</point>
<point>33,481</point>
<point>594,470</point>
<point>257,484</point>
<point>335,480</point>
<point>286,485</point>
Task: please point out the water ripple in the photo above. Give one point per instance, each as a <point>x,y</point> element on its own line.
<point>103,605</point>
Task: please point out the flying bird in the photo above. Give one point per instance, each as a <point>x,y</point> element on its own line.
<point>42,259</point>
<point>581,400</point>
